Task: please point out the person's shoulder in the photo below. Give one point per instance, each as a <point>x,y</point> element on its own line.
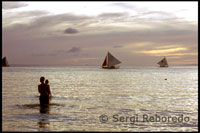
<point>47,86</point>
<point>41,85</point>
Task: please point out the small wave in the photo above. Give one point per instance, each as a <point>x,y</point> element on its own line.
<point>37,105</point>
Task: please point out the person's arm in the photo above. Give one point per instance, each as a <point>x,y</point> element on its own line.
<point>39,89</point>
<point>49,91</point>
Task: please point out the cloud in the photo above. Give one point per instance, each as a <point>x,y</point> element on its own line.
<point>53,24</point>
<point>159,52</point>
<point>44,25</point>
<point>21,17</point>
<point>65,52</point>
<point>31,13</point>
<point>59,19</point>
<point>57,52</point>
<point>80,59</point>
<point>71,31</point>
<point>43,54</point>
<point>117,46</point>
<point>74,50</point>
<point>156,12</point>
<point>45,21</point>
<point>117,32</point>
<point>13,5</point>
<point>124,5</point>
<point>109,15</point>
<point>130,7</point>
<point>156,15</point>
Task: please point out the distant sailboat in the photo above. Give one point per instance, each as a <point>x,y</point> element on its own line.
<point>4,62</point>
<point>163,62</point>
<point>110,62</point>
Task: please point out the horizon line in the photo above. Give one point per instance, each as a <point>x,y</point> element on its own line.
<point>36,65</point>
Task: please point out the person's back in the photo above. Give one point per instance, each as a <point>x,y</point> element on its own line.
<point>42,89</point>
<point>44,92</point>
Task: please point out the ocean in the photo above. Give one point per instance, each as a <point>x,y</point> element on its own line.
<point>88,98</point>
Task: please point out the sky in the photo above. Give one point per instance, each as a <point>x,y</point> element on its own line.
<point>81,33</point>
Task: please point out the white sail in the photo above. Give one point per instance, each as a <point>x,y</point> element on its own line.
<point>112,60</point>
<point>163,62</point>
<point>5,62</point>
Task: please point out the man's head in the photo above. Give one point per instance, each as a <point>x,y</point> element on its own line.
<point>42,79</point>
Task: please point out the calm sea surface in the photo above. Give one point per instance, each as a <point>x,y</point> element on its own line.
<point>95,99</point>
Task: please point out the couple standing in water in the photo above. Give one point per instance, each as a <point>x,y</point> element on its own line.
<point>45,92</point>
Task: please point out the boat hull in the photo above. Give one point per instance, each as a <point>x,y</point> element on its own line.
<point>5,65</point>
<point>163,66</point>
<point>112,67</point>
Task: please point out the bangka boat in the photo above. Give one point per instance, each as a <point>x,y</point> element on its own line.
<point>110,62</point>
<point>163,63</point>
<point>4,62</point>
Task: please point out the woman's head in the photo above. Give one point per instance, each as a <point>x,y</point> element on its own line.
<point>47,81</point>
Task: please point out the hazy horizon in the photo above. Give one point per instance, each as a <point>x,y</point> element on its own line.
<point>63,65</point>
<point>80,33</point>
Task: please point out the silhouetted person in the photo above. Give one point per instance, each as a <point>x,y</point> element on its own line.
<point>44,92</point>
<point>48,86</point>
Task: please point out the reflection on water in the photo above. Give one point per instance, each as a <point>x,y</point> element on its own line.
<point>43,122</point>
<point>81,95</point>
<point>35,106</point>
<point>44,109</point>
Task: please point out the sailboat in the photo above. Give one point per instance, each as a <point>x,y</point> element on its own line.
<point>163,62</point>
<point>110,62</point>
<point>4,62</point>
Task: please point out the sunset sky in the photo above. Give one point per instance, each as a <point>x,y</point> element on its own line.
<point>81,33</point>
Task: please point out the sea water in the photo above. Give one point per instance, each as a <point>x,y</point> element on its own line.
<point>93,99</point>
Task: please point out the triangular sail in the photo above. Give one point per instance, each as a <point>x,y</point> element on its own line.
<point>163,62</point>
<point>112,60</point>
<point>4,62</point>
<point>105,62</point>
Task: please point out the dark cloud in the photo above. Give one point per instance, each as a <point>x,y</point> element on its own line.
<point>74,50</point>
<point>12,5</point>
<point>71,31</point>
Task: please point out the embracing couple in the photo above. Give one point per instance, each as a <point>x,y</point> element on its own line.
<point>45,92</point>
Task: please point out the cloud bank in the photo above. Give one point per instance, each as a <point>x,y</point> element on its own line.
<point>12,5</point>
<point>140,38</point>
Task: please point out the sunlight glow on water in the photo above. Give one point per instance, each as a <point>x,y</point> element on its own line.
<point>82,94</point>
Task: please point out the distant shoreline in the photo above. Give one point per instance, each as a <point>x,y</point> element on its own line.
<point>19,65</point>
